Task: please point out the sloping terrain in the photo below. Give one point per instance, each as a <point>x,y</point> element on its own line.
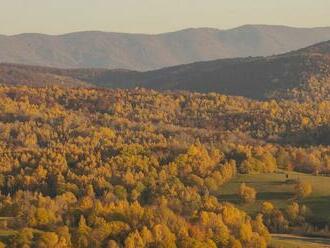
<point>296,74</point>
<point>34,76</point>
<point>98,165</point>
<point>148,52</point>
<point>300,74</point>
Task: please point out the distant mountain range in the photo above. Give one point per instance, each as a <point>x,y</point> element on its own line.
<point>148,52</point>
<point>298,74</point>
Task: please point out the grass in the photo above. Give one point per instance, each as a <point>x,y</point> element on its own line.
<point>273,187</point>
<point>6,233</point>
<point>290,241</point>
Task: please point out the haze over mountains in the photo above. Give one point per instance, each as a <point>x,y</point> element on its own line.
<point>147,52</point>
<point>298,74</point>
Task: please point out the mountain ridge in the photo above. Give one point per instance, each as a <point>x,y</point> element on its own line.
<point>254,26</point>
<point>143,52</point>
<point>300,74</point>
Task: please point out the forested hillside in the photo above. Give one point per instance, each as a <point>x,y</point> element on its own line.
<point>300,75</point>
<point>36,76</point>
<point>140,168</point>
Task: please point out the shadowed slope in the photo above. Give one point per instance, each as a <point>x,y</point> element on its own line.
<point>300,74</point>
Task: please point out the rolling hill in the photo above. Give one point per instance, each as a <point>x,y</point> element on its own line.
<point>148,52</point>
<point>306,71</point>
<point>11,74</point>
<point>298,74</point>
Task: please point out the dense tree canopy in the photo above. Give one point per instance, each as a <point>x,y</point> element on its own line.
<point>138,168</point>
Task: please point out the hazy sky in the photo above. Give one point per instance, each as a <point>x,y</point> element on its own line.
<point>155,16</point>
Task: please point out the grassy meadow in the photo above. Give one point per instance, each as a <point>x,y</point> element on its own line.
<point>274,187</point>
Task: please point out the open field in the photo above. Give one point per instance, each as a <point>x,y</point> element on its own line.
<point>6,234</point>
<point>273,187</point>
<point>291,241</point>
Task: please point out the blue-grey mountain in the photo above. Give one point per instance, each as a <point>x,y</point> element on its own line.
<point>149,52</point>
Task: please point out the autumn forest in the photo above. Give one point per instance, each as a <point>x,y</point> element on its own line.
<point>141,168</point>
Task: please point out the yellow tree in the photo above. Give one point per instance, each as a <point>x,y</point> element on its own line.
<point>247,194</point>
<point>303,189</point>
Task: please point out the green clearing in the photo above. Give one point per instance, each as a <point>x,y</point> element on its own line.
<point>273,187</point>
<point>290,241</point>
<point>6,234</point>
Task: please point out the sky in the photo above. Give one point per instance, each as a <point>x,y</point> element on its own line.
<point>155,16</point>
